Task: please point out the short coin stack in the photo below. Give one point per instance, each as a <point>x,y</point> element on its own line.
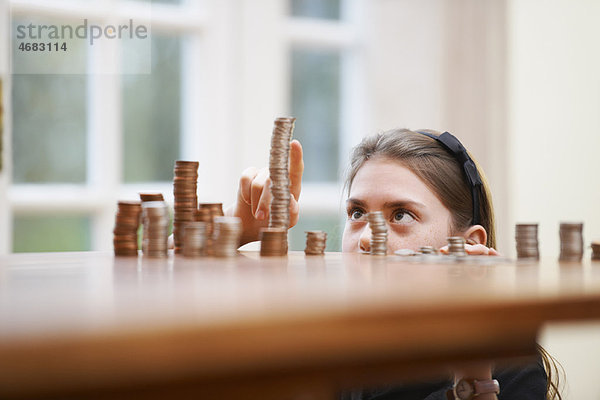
<point>596,251</point>
<point>194,239</point>
<point>316,241</point>
<point>456,246</point>
<point>151,196</point>
<point>227,236</point>
<point>206,213</point>
<point>273,241</point>
<point>427,250</point>
<point>155,216</point>
<point>378,233</point>
<point>571,242</point>
<point>185,185</point>
<point>127,222</point>
<point>526,238</point>
<point>279,211</point>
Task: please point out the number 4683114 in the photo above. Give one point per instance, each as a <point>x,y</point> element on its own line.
<point>43,46</point>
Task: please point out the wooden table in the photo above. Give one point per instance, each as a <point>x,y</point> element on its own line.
<point>75,325</point>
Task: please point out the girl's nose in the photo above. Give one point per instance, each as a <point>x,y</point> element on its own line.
<point>364,242</point>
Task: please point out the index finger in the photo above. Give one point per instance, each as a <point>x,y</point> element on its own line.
<point>296,168</point>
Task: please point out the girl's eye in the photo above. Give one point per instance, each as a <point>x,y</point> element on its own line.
<point>356,214</point>
<point>402,217</point>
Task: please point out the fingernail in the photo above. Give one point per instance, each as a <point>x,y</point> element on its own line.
<point>260,215</point>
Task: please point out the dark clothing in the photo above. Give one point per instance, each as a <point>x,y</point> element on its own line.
<point>523,383</point>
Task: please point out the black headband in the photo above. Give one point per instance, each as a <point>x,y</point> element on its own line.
<point>458,151</point>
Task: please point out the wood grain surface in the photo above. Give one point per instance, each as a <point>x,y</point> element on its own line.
<point>89,325</point>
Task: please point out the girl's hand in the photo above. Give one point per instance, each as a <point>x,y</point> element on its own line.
<point>475,250</point>
<point>254,196</point>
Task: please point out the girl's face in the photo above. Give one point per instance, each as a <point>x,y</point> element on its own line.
<point>415,216</point>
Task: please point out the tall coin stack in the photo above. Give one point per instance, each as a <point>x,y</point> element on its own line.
<point>127,222</point>
<point>316,241</point>
<point>456,246</point>
<point>279,212</point>
<point>155,216</point>
<point>571,241</point>
<point>194,239</point>
<point>526,238</point>
<point>227,236</point>
<point>185,185</point>
<point>273,242</point>
<point>378,233</point>
<point>596,251</point>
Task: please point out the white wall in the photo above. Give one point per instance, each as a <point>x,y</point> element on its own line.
<point>554,116</point>
<point>554,134</point>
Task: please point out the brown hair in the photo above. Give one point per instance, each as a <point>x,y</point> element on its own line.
<point>437,168</point>
<point>441,172</point>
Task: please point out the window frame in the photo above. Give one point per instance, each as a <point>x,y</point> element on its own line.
<point>208,97</point>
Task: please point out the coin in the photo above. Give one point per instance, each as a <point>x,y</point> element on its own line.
<point>526,240</point>
<point>155,216</point>
<point>227,232</point>
<point>194,239</point>
<point>279,208</point>
<point>378,233</point>
<point>185,204</point>
<point>571,242</point>
<point>127,222</point>
<point>456,246</point>
<point>273,242</point>
<point>596,251</point>
<point>316,242</point>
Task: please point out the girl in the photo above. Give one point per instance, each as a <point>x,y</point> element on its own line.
<point>428,188</point>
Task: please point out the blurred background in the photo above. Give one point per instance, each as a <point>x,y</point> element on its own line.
<point>516,80</point>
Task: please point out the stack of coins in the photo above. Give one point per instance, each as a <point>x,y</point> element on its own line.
<point>571,241</point>
<point>378,233</point>
<point>194,239</point>
<point>596,251</point>
<point>206,213</point>
<point>155,216</point>
<point>185,184</point>
<point>456,246</point>
<point>127,222</point>
<point>316,242</point>
<point>427,250</point>
<point>273,241</point>
<point>279,211</point>
<point>526,237</point>
<point>151,196</point>
<point>226,236</point>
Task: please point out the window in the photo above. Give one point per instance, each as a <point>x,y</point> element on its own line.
<point>95,138</point>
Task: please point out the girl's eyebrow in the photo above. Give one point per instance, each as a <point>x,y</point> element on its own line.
<point>390,204</point>
<point>404,203</point>
<point>356,202</point>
